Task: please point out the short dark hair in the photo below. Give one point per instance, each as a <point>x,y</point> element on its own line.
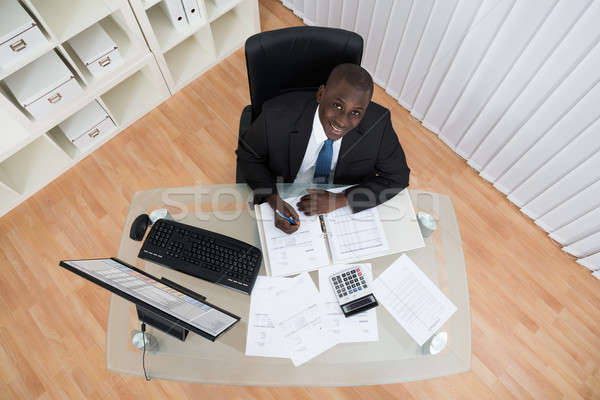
<point>354,74</point>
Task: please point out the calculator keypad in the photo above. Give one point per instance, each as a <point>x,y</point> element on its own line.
<point>349,285</point>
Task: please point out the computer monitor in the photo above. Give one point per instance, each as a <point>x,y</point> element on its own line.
<point>160,302</point>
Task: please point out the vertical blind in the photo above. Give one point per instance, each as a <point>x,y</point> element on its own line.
<point>512,86</point>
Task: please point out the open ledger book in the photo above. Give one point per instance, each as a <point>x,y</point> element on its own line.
<point>338,237</point>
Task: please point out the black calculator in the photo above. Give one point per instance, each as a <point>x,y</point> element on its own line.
<point>352,291</point>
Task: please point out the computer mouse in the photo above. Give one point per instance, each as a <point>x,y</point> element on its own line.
<point>139,226</point>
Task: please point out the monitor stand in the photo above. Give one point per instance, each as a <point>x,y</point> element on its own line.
<point>162,324</point>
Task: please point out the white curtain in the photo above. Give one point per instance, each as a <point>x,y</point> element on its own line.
<point>512,86</point>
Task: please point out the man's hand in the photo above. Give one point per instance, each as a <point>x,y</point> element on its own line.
<point>319,201</point>
<point>276,204</point>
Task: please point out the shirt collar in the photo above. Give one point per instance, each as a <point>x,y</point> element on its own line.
<point>317,128</point>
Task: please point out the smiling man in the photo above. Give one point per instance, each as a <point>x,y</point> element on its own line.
<point>336,136</point>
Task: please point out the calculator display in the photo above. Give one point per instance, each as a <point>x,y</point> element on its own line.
<point>359,303</point>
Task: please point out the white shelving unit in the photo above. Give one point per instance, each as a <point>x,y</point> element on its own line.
<point>184,55</point>
<point>34,152</point>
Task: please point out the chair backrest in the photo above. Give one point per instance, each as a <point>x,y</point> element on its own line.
<point>296,58</point>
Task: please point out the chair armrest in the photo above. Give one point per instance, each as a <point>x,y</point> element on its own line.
<point>245,120</point>
<point>245,123</point>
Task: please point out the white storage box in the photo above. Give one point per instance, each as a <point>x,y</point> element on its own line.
<point>96,50</point>
<point>44,85</point>
<point>19,33</point>
<point>87,126</point>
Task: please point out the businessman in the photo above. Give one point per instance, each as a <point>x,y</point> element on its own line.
<point>336,135</point>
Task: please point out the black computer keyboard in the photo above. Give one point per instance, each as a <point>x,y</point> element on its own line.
<point>203,254</point>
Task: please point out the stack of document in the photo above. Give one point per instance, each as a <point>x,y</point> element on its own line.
<point>289,318</point>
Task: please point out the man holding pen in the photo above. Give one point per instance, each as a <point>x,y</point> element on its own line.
<point>336,136</point>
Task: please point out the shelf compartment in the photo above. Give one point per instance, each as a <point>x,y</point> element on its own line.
<point>13,135</point>
<point>216,8</point>
<point>101,85</point>
<point>66,18</point>
<point>166,34</point>
<point>34,166</point>
<point>76,91</point>
<point>191,57</point>
<point>149,3</point>
<point>107,130</point>
<point>8,195</point>
<point>38,52</point>
<point>136,95</point>
<point>60,139</point>
<point>231,30</point>
<point>113,25</point>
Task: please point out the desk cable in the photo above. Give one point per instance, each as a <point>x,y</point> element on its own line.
<point>144,351</point>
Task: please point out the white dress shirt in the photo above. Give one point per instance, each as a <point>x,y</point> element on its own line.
<point>315,143</point>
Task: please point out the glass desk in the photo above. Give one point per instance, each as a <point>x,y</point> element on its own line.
<point>224,208</point>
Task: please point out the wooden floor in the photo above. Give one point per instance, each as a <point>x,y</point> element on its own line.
<point>535,312</point>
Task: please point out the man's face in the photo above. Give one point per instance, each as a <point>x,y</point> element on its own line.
<point>341,108</point>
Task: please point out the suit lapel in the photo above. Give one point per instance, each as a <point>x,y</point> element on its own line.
<point>349,142</point>
<point>300,136</point>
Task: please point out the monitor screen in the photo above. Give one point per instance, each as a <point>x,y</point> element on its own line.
<point>155,295</point>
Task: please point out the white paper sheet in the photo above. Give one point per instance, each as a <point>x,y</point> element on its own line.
<point>263,339</point>
<point>412,299</point>
<point>361,327</point>
<point>303,250</point>
<point>353,236</point>
<point>298,315</point>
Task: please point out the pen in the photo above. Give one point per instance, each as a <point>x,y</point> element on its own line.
<point>291,221</point>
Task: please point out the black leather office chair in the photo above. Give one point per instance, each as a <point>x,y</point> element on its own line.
<point>298,58</point>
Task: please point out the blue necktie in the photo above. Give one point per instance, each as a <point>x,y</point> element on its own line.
<point>323,165</point>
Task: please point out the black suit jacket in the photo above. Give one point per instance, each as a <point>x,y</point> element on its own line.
<point>370,156</point>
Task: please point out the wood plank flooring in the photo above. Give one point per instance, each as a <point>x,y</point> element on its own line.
<point>535,312</point>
